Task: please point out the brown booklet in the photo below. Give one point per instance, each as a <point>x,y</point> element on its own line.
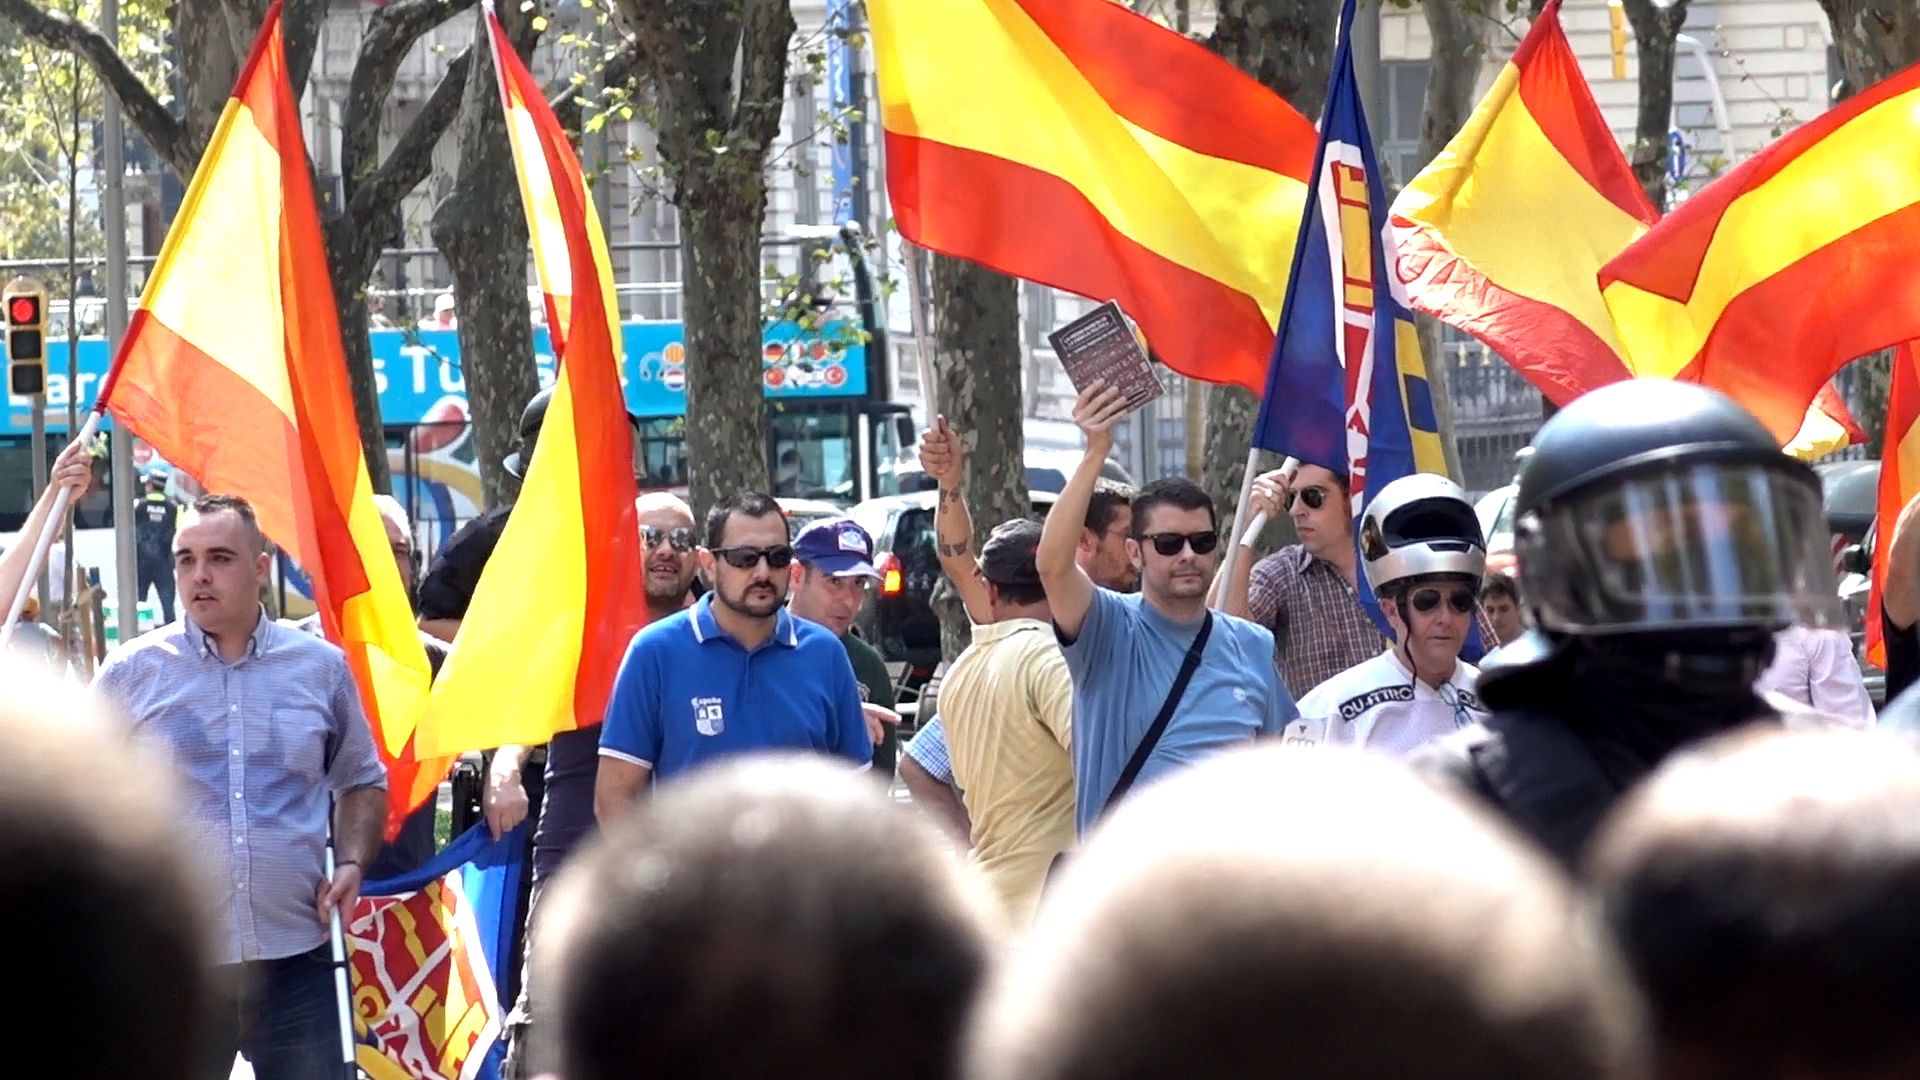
<point>1102,344</point>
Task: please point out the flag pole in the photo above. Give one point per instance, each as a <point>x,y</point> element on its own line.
<point>915,299</point>
<point>1252,532</point>
<point>48,530</point>
<point>336,937</point>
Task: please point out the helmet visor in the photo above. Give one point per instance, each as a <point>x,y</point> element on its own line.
<point>1696,547</point>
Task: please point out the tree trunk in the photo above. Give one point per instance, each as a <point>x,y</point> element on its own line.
<point>722,208</point>
<point>1459,45</point>
<point>351,301</point>
<point>976,322</point>
<point>1288,46</point>
<point>1654,29</point>
<point>1875,38</point>
<point>482,231</point>
<point>718,70</point>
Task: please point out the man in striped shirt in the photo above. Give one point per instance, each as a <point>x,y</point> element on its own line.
<point>264,728</point>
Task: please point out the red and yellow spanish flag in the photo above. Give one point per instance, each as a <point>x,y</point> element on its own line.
<point>1079,145</point>
<point>233,369</point>
<point>1899,481</point>
<point>563,593</point>
<point>1769,279</point>
<point>1504,233</point>
<point>1829,425</point>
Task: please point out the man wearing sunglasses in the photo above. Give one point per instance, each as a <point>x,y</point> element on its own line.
<point>734,674</point>
<point>1424,558</point>
<point>1158,681</point>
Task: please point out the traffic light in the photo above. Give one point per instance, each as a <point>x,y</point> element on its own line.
<point>1617,17</point>
<point>25,301</point>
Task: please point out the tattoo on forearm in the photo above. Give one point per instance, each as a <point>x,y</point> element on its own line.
<point>950,495</point>
<point>961,548</point>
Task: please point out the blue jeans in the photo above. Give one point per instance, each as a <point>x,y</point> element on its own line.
<point>282,1015</point>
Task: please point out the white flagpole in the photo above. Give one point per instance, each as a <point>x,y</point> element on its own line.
<point>49,529</point>
<point>1252,531</point>
<point>337,938</point>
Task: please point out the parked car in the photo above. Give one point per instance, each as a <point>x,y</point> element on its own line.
<point>1495,511</point>
<point>804,512</point>
<point>1850,498</point>
<point>900,621</point>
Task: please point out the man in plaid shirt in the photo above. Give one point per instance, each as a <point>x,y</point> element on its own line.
<point>1305,592</point>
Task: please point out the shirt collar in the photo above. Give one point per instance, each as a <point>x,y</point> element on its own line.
<point>203,643</point>
<point>994,631</point>
<point>786,629</point>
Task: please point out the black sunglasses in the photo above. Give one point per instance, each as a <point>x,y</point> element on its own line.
<point>680,539</point>
<point>1460,600</point>
<point>746,558</point>
<point>1315,497</point>
<point>1170,543</point>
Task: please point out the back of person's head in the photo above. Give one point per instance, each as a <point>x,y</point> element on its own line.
<point>1110,500</point>
<point>1763,889</point>
<point>769,917</point>
<point>1308,914</point>
<point>96,890</point>
<point>1177,492</point>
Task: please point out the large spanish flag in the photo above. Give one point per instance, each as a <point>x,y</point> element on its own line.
<point>1503,234</point>
<point>563,593</point>
<point>1899,481</point>
<point>1079,145</point>
<point>1769,279</point>
<point>233,369</point>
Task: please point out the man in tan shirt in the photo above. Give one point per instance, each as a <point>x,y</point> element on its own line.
<point>1007,704</point>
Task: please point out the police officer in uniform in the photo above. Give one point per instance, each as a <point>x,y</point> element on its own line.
<point>154,517</point>
<point>1664,539</point>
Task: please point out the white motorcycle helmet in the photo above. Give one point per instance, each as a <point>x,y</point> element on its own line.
<point>1420,526</point>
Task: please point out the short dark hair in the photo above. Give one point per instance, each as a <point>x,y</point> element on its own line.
<point>751,504</point>
<point>769,916</point>
<point>1498,583</point>
<point>1175,491</point>
<point>1110,499</point>
<point>214,503</point>
<point>1020,594</point>
<point>1761,887</point>
<point>99,887</point>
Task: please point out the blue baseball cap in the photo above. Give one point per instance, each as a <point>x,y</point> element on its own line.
<point>836,546</point>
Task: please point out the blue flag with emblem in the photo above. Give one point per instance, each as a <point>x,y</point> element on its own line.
<point>431,958</point>
<point>1347,388</point>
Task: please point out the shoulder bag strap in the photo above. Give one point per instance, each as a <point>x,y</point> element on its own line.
<point>1152,738</point>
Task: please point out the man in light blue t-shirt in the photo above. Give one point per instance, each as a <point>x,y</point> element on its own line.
<point>1124,651</point>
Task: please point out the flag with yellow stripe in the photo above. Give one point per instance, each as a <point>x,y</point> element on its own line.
<point>1079,145</point>
<point>562,594</point>
<point>233,370</point>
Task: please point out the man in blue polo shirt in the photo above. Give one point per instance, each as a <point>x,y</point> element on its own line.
<point>733,674</point>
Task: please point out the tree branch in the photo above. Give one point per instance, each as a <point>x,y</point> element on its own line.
<point>391,33</point>
<point>412,157</point>
<point>665,51</point>
<point>162,131</point>
<point>766,30</point>
<point>569,107</point>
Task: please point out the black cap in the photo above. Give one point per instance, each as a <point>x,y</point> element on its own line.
<point>1007,558</point>
<point>531,417</point>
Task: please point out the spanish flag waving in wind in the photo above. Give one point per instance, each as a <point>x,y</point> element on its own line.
<point>1077,144</point>
<point>1769,279</point>
<point>250,394</point>
<point>562,594</point>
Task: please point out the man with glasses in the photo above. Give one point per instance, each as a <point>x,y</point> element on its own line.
<point>832,564</point>
<point>1158,681</point>
<point>733,674</point>
<point>1425,556</point>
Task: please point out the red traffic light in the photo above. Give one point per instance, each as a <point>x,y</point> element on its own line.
<point>23,310</point>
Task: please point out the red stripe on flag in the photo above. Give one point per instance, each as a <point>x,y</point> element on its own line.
<point>1903,413</point>
<point>1556,94</point>
<point>1176,87</point>
<point>1034,225</point>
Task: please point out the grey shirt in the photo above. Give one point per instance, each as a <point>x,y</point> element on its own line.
<point>258,747</point>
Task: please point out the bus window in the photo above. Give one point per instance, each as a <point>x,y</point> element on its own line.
<point>660,452</point>
<point>896,458</point>
<point>813,453</point>
<point>95,510</point>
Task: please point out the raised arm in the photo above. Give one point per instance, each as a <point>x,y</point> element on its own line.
<point>1269,498</point>
<point>1069,589</point>
<point>73,470</point>
<point>943,456</point>
<point>1900,588</point>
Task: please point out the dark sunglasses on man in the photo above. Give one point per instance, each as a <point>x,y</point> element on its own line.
<point>746,558</point>
<point>1315,497</point>
<point>1170,543</point>
<point>680,539</point>
<point>1425,600</point>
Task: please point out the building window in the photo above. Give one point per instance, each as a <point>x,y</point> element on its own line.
<point>1398,133</point>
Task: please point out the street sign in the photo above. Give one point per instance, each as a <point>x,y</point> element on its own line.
<point>1679,156</point>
